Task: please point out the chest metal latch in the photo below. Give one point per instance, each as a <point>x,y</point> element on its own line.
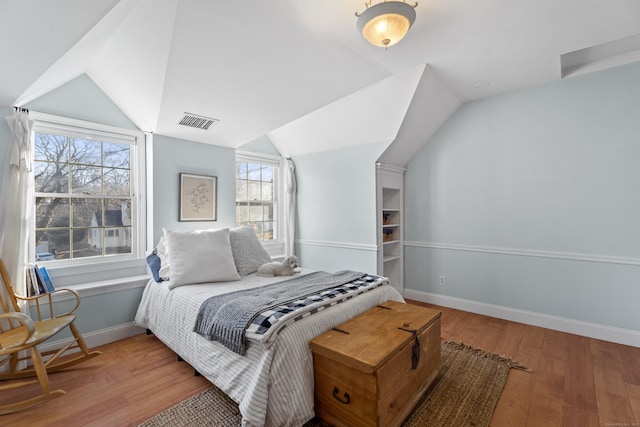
<point>415,349</point>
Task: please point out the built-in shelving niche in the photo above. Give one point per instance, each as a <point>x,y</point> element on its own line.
<point>390,203</point>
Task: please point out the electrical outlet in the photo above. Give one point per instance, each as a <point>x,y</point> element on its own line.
<point>442,282</point>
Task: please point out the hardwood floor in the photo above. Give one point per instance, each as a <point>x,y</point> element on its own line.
<point>576,381</point>
<point>130,382</point>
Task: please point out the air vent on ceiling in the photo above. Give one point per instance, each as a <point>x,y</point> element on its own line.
<point>195,121</point>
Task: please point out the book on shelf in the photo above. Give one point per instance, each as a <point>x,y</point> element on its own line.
<point>46,278</point>
<point>42,289</point>
<point>38,280</point>
<point>32,287</point>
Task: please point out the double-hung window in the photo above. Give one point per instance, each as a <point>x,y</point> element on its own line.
<point>87,191</point>
<point>258,198</point>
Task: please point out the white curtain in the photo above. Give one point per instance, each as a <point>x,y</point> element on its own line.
<point>290,207</point>
<point>16,199</point>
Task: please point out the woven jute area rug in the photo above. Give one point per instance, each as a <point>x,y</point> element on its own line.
<point>465,394</point>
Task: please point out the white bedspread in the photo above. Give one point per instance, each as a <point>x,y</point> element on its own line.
<point>273,387</point>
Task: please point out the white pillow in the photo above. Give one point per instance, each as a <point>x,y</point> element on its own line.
<point>200,256</point>
<point>247,250</point>
<point>161,251</point>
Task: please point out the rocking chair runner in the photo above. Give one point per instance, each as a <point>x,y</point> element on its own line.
<point>18,333</point>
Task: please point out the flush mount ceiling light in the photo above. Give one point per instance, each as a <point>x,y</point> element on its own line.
<point>385,24</point>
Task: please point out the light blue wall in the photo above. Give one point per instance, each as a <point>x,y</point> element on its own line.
<point>337,208</point>
<point>529,201</point>
<point>173,156</point>
<point>262,145</point>
<point>82,99</point>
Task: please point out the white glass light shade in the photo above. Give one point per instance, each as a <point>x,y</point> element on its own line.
<point>385,24</point>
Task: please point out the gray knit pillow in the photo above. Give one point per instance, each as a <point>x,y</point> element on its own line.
<point>248,252</point>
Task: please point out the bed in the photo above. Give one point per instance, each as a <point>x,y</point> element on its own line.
<point>273,381</point>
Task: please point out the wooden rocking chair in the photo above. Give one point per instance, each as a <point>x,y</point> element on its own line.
<point>18,333</point>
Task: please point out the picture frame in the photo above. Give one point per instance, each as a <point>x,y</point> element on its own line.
<point>198,197</point>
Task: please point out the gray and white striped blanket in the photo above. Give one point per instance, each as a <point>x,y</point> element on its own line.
<point>261,312</point>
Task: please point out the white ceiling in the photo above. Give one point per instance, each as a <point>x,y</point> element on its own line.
<point>263,66</point>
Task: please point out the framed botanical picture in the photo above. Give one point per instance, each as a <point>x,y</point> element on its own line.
<point>198,197</point>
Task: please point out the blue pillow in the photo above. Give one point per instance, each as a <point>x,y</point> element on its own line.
<point>153,261</point>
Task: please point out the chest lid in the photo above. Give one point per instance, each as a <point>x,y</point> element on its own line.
<point>368,340</point>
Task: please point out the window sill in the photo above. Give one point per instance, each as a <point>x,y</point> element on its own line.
<point>105,274</point>
<point>110,285</point>
<point>102,287</point>
<point>274,249</point>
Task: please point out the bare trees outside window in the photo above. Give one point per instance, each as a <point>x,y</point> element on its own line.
<point>83,196</point>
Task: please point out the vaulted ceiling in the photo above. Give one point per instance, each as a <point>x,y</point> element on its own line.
<point>263,66</point>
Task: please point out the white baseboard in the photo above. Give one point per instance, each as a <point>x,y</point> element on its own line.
<point>576,327</point>
<point>100,337</point>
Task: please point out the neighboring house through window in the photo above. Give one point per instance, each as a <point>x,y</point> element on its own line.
<point>87,187</point>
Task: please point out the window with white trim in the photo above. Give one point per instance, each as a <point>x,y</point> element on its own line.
<point>87,182</point>
<point>258,190</point>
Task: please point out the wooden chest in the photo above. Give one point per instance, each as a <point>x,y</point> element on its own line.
<point>371,370</point>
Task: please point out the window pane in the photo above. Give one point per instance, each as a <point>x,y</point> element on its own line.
<point>268,212</point>
<point>87,242</point>
<point>253,190</point>
<point>117,240</point>
<point>86,152</point>
<point>241,170</point>
<point>87,212</point>
<point>258,228</point>
<point>86,179</point>
<point>59,243</point>
<point>267,173</point>
<point>52,212</point>
<point>51,177</point>
<point>116,155</point>
<point>242,213</point>
<point>54,148</point>
<point>241,189</point>
<point>43,251</point>
<point>255,212</point>
<point>117,212</point>
<point>116,182</point>
<point>267,228</point>
<point>253,171</point>
<point>267,191</point>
